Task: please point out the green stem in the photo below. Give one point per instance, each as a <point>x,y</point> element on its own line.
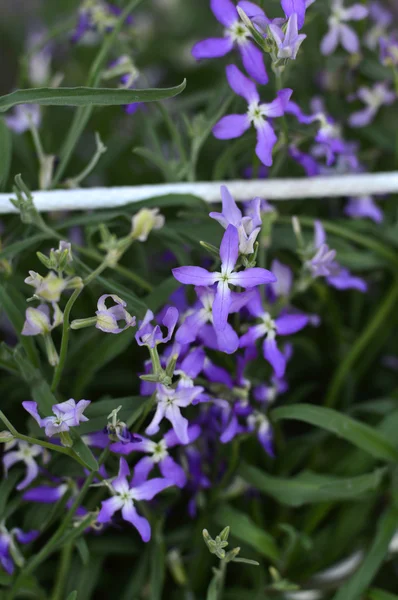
<point>83,114</point>
<point>147,409</point>
<point>37,142</point>
<point>51,545</point>
<point>361,344</point>
<point>43,444</point>
<point>101,149</point>
<point>66,327</point>
<point>63,570</point>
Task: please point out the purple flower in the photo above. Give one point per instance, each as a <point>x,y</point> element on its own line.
<point>283,285</point>
<point>124,494</point>
<point>9,552</point>
<point>339,31</point>
<point>289,41</point>
<point>248,278</point>
<point>362,208</point>
<point>67,414</point>
<point>248,227</point>
<point>271,328</point>
<point>107,318</point>
<point>46,494</point>
<point>259,423</point>
<point>158,455</point>
<point>233,126</point>
<point>297,7</point>
<point>324,265</point>
<point>150,335</point>
<point>226,340</point>
<point>389,51</point>
<point>25,453</point>
<point>24,117</point>
<point>373,98</point>
<point>236,33</point>
<point>169,402</point>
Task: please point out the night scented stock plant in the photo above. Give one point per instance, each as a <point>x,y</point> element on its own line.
<point>182,391</point>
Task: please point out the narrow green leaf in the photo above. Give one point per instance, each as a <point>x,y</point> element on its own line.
<point>244,529</point>
<point>361,435</point>
<point>308,488</point>
<point>376,594</point>
<point>356,586</point>
<point>6,487</point>
<point>72,596</point>
<point>212,590</point>
<point>14,305</point>
<point>5,153</point>
<point>86,96</point>
<point>20,246</point>
<point>158,563</point>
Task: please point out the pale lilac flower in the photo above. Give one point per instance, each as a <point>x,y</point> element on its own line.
<point>235,33</point>
<point>46,494</point>
<point>125,494</point>
<point>168,405</point>
<point>249,278</point>
<point>339,31</point>
<point>382,18</point>
<point>9,552</point>
<point>373,98</point>
<point>24,117</point>
<point>151,335</point>
<point>48,288</point>
<point>37,320</point>
<point>20,451</point>
<point>233,126</point>
<point>67,414</point>
<point>158,454</point>
<point>107,318</point>
<point>289,41</point>
<point>282,287</point>
<point>270,328</point>
<point>324,265</point>
<point>389,51</point>
<point>248,227</point>
<point>364,207</point>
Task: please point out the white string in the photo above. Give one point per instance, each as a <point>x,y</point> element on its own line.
<point>270,189</point>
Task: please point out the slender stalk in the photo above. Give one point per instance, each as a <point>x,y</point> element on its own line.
<point>83,114</point>
<point>66,326</point>
<point>100,150</point>
<point>37,442</point>
<point>361,344</point>
<point>63,569</point>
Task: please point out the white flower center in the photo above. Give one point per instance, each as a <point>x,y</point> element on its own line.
<point>160,451</point>
<point>269,325</point>
<point>238,32</point>
<point>256,114</point>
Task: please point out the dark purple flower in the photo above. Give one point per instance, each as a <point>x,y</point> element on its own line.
<point>271,328</point>
<point>158,455</point>
<point>9,551</point>
<point>233,126</point>
<point>124,495</point>
<point>248,278</point>
<point>236,33</point>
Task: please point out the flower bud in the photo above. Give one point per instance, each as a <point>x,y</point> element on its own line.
<point>144,221</point>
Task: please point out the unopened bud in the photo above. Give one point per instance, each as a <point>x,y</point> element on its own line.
<point>6,437</point>
<point>144,221</point>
